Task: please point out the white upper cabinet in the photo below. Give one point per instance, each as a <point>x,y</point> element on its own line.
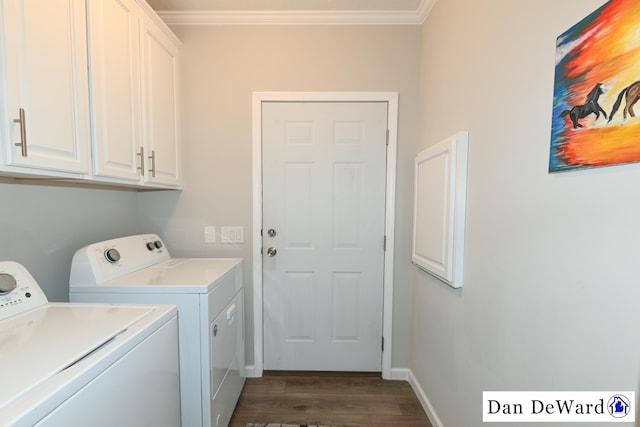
<point>91,92</point>
<point>134,87</point>
<point>45,112</point>
<point>116,107</point>
<point>161,116</point>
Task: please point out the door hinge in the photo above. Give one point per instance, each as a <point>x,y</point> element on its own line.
<point>383,344</point>
<point>384,243</point>
<point>387,137</point>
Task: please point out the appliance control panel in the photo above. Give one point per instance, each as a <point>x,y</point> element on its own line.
<point>19,291</point>
<point>107,260</point>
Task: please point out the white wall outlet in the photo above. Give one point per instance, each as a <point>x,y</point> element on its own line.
<point>232,234</point>
<point>209,234</point>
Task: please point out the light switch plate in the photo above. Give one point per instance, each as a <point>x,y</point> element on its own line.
<point>232,234</point>
<point>209,234</point>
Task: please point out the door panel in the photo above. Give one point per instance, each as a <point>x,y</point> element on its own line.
<point>161,130</point>
<point>47,77</point>
<point>116,103</point>
<point>324,171</point>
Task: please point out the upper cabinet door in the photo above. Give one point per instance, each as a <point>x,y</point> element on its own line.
<point>114,46</point>
<point>47,84</point>
<point>161,130</point>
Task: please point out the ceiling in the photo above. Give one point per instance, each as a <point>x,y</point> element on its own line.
<point>212,12</point>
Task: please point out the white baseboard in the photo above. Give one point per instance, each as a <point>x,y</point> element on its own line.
<point>251,371</point>
<point>424,400</point>
<point>399,374</point>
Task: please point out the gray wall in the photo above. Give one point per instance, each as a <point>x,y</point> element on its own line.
<point>41,226</point>
<point>221,67</point>
<point>550,299</point>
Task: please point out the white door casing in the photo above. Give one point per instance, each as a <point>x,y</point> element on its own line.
<point>337,244</point>
<point>323,198</point>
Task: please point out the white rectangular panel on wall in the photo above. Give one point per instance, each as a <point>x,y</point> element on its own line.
<point>440,190</point>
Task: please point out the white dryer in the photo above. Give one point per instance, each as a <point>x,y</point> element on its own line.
<point>209,294</point>
<point>66,364</point>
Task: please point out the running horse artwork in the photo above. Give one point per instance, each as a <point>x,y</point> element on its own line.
<point>597,65</point>
<point>590,106</point>
<point>632,95</point>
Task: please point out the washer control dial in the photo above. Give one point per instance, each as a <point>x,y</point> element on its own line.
<point>150,246</point>
<point>7,283</point>
<point>158,244</point>
<point>112,255</point>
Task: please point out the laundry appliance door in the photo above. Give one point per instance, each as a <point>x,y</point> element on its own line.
<point>90,364</point>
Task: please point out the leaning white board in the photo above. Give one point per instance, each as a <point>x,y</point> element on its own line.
<point>440,190</point>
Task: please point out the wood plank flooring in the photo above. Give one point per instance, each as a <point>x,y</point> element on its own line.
<point>346,399</point>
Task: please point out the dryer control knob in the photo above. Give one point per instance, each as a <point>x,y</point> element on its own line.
<point>112,255</point>
<point>151,246</point>
<point>7,283</point>
<point>158,244</point>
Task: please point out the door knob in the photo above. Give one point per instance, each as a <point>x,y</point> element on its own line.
<point>272,251</point>
<point>271,232</point>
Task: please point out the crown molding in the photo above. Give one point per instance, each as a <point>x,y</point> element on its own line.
<point>425,9</point>
<point>346,17</point>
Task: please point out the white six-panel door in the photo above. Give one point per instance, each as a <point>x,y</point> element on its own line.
<point>324,174</point>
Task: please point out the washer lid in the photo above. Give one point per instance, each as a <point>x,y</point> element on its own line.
<point>40,343</point>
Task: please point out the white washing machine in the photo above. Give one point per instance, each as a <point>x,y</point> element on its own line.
<point>209,294</point>
<point>66,364</point>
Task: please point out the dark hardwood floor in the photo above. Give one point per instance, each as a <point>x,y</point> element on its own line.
<point>346,399</point>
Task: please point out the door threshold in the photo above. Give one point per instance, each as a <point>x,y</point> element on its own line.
<point>321,374</point>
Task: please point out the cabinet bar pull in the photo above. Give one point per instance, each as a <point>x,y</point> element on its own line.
<point>153,163</point>
<point>23,132</point>
<point>141,167</point>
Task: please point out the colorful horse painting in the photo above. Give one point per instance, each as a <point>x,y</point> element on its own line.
<point>632,95</point>
<point>602,47</point>
<point>590,106</point>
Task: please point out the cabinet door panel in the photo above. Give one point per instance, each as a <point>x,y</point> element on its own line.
<point>115,87</point>
<point>161,107</point>
<point>46,72</point>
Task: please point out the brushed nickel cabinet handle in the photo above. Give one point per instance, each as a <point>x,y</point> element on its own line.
<point>141,167</point>
<point>23,132</point>
<point>152,157</point>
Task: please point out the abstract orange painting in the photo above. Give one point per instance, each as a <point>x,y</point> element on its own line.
<point>597,85</point>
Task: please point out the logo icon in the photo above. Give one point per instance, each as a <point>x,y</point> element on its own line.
<point>618,406</point>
